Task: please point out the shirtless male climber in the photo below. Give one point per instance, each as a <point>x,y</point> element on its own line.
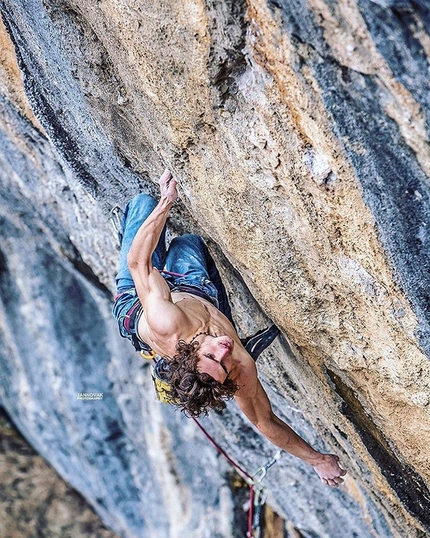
<point>174,303</point>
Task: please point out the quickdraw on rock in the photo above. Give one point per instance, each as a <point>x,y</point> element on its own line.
<point>260,495</point>
<point>259,501</point>
<point>261,472</point>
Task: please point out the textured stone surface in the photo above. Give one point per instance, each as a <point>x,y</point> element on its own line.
<point>299,134</point>
<point>59,339</point>
<point>34,499</point>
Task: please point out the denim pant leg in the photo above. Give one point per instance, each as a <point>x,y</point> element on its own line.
<point>188,255</point>
<point>135,213</point>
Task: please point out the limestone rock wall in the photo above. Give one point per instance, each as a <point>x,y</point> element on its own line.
<point>34,499</point>
<point>299,135</point>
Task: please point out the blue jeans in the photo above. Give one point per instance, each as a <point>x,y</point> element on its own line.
<point>187,256</point>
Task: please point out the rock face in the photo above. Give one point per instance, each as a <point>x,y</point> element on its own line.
<point>34,499</point>
<point>299,134</point>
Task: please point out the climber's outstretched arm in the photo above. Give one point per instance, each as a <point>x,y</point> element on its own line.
<point>256,406</point>
<point>148,235</point>
<point>163,316</point>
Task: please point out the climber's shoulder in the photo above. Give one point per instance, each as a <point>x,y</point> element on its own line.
<point>245,375</point>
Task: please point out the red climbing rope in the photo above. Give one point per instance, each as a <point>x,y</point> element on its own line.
<point>241,470</point>
<point>222,451</point>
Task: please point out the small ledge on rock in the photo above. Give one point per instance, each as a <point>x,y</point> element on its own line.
<point>319,168</point>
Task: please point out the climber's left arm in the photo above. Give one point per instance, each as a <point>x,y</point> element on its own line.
<point>254,402</point>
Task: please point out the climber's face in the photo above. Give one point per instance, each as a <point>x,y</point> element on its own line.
<point>215,356</point>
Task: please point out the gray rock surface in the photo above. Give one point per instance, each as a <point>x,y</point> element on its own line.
<point>299,133</point>
<point>58,339</point>
<point>34,500</point>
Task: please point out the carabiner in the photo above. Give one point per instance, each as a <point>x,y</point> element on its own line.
<point>261,472</point>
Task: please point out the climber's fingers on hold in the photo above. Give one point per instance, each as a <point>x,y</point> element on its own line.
<point>165,178</point>
<point>332,482</point>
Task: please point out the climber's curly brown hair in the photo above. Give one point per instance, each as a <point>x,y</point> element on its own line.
<point>195,393</point>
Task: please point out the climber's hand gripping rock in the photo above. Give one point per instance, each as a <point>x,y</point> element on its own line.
<point>330,471</point>
<point>168,186</point>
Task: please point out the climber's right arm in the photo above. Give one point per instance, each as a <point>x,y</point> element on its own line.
<point>161,313</point>
<point>148,235</point>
